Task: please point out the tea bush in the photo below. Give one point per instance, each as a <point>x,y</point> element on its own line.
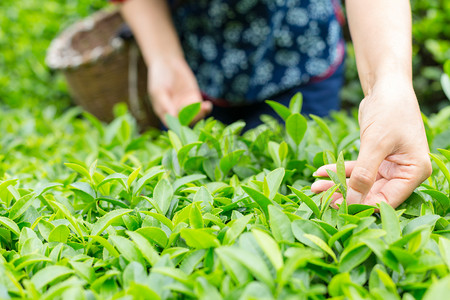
<point>93,211</point>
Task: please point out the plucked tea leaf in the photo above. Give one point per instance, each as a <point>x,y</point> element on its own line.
<point>188,113</point>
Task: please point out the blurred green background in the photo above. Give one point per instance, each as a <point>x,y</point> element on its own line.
<point>28,26</point>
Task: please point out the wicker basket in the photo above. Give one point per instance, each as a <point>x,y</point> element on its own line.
<point>102,69</point>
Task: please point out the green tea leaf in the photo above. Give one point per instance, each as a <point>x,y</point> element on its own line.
<point>389,220</point>
<point>160,218</point>
<point>270,248</point>
<point>188,113</point>
<point>259,198</point>
<point>295,105</point>
<point>126,248</point>
<point>230,160</point>
<point>324,127</point>
<point>195,217</point>
<point>103,222</point>
<point>444,249</point>
<point>438,289</point>
<point>133,176</point>
<point>353,257</point>
<point>49,274</point>
<point>321,244</point>
<point>280,109</point>
<point>11,225</point>
<point>80,169</point>
<point>236,229</point>
<point>441,166</point>
<point>59,234</point>
<point>162,195</point>
<point>274,180</point>
<point>253,263</point>
<point>146,249</point>
<point>340,171</point>
<point>154,234</point>
<point>199,239</point>
<point>296,127</point>
<point>280,225</point>
<point>307,200</point>
<point>187,179</point>
<point>21,205</point>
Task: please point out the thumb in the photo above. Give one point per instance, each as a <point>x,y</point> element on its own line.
<point>365,172</point>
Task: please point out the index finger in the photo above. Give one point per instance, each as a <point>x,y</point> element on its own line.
<point>322,171</point>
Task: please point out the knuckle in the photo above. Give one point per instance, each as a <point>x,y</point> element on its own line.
<point>425,168</point>
<point>361,179</point>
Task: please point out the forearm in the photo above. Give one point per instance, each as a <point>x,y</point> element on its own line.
<point>151,23</point>
<point>381,34</point>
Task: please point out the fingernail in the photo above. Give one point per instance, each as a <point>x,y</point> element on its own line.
<point>314,174</point>
<point>354,196</point>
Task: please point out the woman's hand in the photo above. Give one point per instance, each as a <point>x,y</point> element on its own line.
<point>393,158</point>
<point>172,85</point>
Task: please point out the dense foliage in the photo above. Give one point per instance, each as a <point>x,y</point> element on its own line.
<point>207,212</point>
<point>26,30</point>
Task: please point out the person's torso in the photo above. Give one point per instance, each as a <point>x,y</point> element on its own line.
<point>249,50</point>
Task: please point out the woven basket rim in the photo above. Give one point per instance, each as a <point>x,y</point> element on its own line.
<point>62,43</point>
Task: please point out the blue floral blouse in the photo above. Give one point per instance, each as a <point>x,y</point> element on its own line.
<point>250,50</point>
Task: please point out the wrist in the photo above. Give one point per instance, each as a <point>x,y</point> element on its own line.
<point>391,81</point>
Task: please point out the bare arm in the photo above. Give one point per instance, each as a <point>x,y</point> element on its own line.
<point>381,34</point>
<point>393,158</point>
<point>152,26</point>
<point>172,84</point>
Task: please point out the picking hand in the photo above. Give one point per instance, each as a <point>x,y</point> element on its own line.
<point>172,85</point>
<point>393,158</point>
